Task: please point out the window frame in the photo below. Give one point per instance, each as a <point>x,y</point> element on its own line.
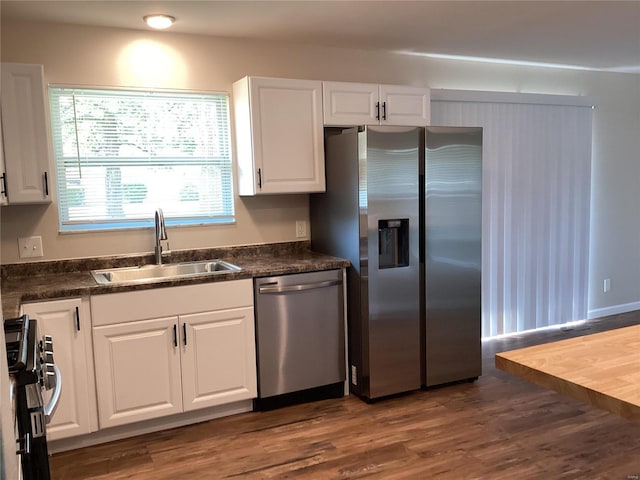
<point>228,200</point>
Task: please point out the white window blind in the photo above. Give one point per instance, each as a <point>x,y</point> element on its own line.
<point>121,154</point>
<point>536,195</point>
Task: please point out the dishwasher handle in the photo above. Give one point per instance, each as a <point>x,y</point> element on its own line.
<point>271,288</point>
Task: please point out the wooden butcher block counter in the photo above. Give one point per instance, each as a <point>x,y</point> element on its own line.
<point>602,369</point>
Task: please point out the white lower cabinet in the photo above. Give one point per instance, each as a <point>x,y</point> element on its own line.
<point>69,324</point>
<point>137,371</point>
<point>200,354</point>
<point>218,358</point>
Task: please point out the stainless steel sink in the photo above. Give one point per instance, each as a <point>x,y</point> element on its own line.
<point>151,273</point>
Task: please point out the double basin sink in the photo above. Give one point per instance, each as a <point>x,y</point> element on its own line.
<point>168,271</point>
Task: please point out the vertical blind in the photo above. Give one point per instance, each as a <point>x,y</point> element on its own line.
<point>536,195</point>
<point>121,154</point>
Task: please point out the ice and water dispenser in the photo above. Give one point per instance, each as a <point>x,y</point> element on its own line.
<point>393,243</point>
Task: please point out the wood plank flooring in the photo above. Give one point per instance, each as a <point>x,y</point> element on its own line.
<point>500,427</point>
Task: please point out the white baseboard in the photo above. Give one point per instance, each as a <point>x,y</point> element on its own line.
<point>149,426</point>
<point>613,310</point>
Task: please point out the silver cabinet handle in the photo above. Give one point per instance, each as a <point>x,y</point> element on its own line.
<point>297,288</point>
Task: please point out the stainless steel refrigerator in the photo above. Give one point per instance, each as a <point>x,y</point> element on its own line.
<point>375,213</point>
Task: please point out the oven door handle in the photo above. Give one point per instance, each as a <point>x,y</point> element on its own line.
<point>50,408</point>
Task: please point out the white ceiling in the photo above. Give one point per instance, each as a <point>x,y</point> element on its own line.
<point>592,34</point>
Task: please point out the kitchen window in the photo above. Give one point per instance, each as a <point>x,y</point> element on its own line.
<point>119,155</point>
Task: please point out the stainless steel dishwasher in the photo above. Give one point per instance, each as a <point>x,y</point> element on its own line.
<point>300,337</point>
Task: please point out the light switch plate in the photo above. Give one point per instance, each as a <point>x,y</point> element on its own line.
<point>30,247</point>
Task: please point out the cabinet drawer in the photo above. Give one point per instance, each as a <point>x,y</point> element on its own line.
<point>161,302</point>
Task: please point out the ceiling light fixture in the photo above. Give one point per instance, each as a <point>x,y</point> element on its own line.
<point>159,21</point>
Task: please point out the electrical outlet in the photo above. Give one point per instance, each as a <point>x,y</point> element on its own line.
<point>30,247</point>
<point>354,375</point>
<point>301,228</point>
<point>606,285</point>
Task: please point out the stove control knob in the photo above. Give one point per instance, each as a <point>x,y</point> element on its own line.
<point>48,343</point>
<point>50,378</point>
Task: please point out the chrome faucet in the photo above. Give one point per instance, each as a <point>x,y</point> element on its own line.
<point>161,234</point>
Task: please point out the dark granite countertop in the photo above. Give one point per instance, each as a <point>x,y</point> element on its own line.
<point>26,282</point>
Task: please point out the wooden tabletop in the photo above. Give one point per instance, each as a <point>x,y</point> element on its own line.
<point>602,369</point>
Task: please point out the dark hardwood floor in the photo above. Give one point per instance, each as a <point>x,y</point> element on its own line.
<point>499,427</point>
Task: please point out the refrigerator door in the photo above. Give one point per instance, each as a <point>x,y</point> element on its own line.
<point>453,255</point>
<point>389,208</point>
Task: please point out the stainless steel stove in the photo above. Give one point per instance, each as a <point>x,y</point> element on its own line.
<point>31,370</point>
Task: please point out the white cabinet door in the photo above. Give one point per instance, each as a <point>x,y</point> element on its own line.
<point>3,173</point>
<point>68,323</point>
<point>279,135</point>
<point>175,349</point>
<point>403,105</point>
<point>137,371</point>
<point>25,133</point>
<point>218,357</point>
<point>346,103</point>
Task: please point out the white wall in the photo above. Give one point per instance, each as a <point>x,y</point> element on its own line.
<point>99,56</point>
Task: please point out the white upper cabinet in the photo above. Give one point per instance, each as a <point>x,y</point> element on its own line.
<point>346,103</point>
<point>402,105</point>
<point>350,103</point>
<point>25,134</point>
<point>3,173</point>
<point>279,135</point>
